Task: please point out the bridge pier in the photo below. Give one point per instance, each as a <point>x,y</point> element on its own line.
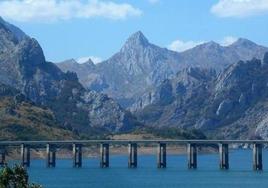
<point>104,155</point>
<point>224,156</point>
<point>161,155</point>
<point>192,155</point>
<point>77,155</point>
<point>257,156</point>
<point>132,155</point>
<point>51,156</point>
<point>25,155</point>
<point>2,157</point>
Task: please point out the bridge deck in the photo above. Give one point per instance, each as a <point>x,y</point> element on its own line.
<point>66,142</point>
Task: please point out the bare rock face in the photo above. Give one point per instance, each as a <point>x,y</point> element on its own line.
<point>265,60</point>
<point>23,66</point>
<point>187,92</point>
<point>233,104</point>
<point>141,66</point>
<point>262,128</point>
<point>96,81</point>
<point>183,84</point>
<point>224,108</point>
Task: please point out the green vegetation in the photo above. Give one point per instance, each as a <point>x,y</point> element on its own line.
<point>15,177</point>
<point>25,121</point>
<point>20,119</point>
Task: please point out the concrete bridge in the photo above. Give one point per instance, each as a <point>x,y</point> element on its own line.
<point>51,146</point>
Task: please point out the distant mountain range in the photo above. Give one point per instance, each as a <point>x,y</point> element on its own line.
<point>140,65</point>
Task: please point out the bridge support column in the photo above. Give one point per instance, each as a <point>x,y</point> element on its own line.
<point>77,155</point>
<point>104,155</point>
<point>224,156</point>
<point>25,155</point>
<point>192,155</point>
<point>132,155</point>
<point>257,156</point>
<point>51,156</point>
<point>2,157</point>
<point>161,155</point>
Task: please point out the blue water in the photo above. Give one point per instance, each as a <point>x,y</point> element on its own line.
<point>147,175</point>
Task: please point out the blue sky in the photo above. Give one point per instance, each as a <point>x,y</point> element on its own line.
<point>99,28</point>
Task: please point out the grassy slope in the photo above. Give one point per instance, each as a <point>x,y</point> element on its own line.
<point>24,121</point>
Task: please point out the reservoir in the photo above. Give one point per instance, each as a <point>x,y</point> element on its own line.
<point>147,175</point>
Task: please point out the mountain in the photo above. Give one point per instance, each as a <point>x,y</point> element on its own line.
<point>137,66</point>
<point>21,119</point>
<point>232,104</point>
<point>140,66</point>
<point>23,67</point>
<point>15,30</point>
<point>96,81</point>
<point>185,84</point>
<point>218,57</point>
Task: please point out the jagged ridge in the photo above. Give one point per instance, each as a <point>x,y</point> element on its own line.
<point>233,104</point>
<point>140,65</point>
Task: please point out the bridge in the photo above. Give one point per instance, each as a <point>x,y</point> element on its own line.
<point>192,145</point>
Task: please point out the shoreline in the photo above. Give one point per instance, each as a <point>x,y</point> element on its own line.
<point>90,152</point>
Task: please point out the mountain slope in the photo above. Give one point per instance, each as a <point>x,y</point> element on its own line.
<point>233,104</point>
<point>140,65</point>
<point>15,30</point>
<point>177,102</point>
<point>137,66</point>
<point>23,66</point>
<point>20,119</point>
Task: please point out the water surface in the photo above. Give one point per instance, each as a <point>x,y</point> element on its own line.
<point>147,175</point>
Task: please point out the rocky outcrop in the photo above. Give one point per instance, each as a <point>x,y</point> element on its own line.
<point>232,104</point>
<point>183,84</point>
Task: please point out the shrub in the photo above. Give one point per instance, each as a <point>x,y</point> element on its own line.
<point>15,177</point>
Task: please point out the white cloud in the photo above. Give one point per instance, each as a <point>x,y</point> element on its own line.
<point>228,40</point>
<point>153,1</point>
<point>239,8</point>
<point>93,58</point>
<point>180,46</point>
<point>54,10</point>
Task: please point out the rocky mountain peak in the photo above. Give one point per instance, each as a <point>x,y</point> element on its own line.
<point>136,40</point>
<point>242,42</point>
<point>15,30</point>
<point>71,61</point>
<point>89,62</point>
<point>211,44</point>
<point>207,47</point>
